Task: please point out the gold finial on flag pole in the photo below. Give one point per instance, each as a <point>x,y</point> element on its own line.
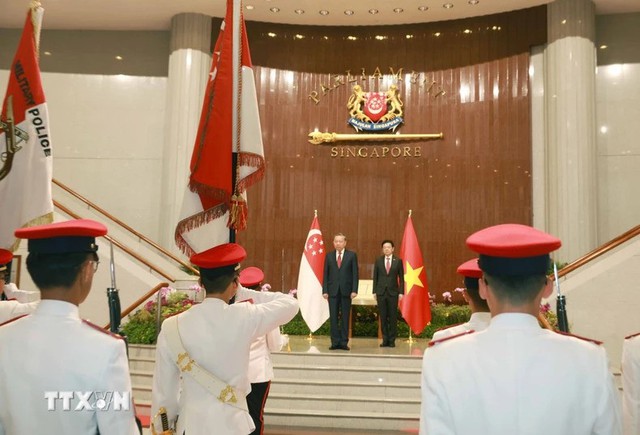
<point>310,337</point>
<point>410,212</point>
<point>315,213</point>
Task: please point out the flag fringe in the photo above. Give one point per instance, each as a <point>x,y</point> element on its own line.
<point>208,191</point>
<point>195,221</point>
<point>254,161</point>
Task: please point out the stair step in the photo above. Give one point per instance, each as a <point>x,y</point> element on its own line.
<point>352,373</point>
<point>370,391</point>
<point>341,419</point>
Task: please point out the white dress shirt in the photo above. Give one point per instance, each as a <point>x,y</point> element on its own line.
<point>53,350</point>
<point>631,385</point>
<point>20,302</point>
<point>260,364</point>
<point>218,337</point>
<point>515,378</point>
<point>477,322</point>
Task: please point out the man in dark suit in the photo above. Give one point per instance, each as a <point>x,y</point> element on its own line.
<point>339,286</point>
<point>388,286</point>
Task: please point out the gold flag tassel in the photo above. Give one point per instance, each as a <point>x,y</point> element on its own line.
<point>238,213</point>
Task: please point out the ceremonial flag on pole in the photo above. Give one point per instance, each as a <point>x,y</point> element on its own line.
<point>25,145</point>
<point>229,127</point>
<point>414,306</point>
<point>313,307</point>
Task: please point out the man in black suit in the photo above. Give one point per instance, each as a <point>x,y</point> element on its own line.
<point>388,286</point>
<point>339,286</point>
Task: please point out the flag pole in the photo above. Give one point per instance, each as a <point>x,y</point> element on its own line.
<point>310,337</point>
<point>236,57</point>
<point>410,340</point>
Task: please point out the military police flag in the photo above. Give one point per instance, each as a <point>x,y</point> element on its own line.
<point>229,129</point>
<point>25,144</point>
<point>313,307</point>
<point>414,306</point>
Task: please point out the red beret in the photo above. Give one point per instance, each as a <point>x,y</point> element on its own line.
<point>222,255</point>
<point>5,258</point>
<point>470,269</point>
<point>513,249</point>
<point>251,276</point>
<point>77,235</point>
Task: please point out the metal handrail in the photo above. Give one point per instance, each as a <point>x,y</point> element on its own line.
<point>613,243</point>
<point>121,246</point>
<point>126,227</point>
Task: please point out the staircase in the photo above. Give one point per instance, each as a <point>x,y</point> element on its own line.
<point>324,390</point>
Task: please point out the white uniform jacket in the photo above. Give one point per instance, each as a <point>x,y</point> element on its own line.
<point>217,336</point>
<point>631,385</point>
<point>50,353</point>
<point>515,378</point>
<point>477,322</point>
<point>25,303</point>
<point>260,364</point>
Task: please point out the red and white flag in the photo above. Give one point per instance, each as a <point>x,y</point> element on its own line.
<point>414,306</point>
<point>229,127</point>
<point>25,144</point>
<point>313,307</point>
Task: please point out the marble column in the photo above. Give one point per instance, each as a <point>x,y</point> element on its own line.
<point>189,64</point>
<point>570,152</point>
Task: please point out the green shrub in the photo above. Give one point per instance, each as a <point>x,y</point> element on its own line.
<point>366,321</point>
<point>141,326</point>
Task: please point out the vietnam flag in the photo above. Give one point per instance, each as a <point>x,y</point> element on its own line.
<point>27,163</point>
<point>229,130</point>
<point>313,307</point>
<point>414,306</point>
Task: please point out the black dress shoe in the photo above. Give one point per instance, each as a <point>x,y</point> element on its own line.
<point>383,345</point>
<point>391,344</point>
<point>333,347</point>
<point>345,347</point>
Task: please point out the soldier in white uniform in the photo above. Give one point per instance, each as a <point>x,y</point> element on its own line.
<point>58,374</point>
<point>260,364</point>
<point>515,378</point>
<point>19,302</point>
<point>202,355</point>
<point>480,314</point>
<point>631,384</point>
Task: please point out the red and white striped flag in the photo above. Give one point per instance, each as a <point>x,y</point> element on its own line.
<point>27,163</point>
<point>229,124</point>
<point>313,307</point>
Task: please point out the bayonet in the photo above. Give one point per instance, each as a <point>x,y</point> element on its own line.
<point>113,297</point>
<point>561,303</point>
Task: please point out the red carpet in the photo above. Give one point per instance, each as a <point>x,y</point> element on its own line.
<point>143,413</point>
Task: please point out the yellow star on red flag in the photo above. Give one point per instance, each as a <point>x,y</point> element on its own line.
<point>412,277</point>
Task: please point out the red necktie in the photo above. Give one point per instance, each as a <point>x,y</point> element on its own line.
<point>388,265</point>
<point>339,259</point>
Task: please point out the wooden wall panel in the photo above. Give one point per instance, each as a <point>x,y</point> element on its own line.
<point>430,47</point>
<point>478,175</point>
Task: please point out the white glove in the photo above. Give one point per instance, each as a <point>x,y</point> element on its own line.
<point>284,338</point>
<point>10,290</point>
<point>22,296</point>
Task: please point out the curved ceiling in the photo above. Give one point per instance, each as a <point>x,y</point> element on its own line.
<point>156,14</point>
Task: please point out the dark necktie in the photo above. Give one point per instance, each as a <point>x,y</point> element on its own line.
<point>339,259</point>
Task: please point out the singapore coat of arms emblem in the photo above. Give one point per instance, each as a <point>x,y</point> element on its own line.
<point>375,111</point>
